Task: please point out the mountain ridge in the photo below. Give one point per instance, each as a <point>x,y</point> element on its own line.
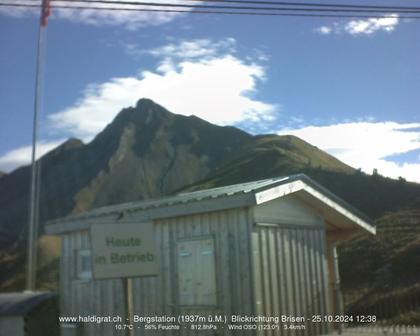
<point>146,151</point>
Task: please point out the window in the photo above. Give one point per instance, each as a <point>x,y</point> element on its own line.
<point>196,272</point>
<point>83,265</point>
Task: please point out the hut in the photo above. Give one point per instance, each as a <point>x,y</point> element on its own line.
<point>260,255</point>
<point>28,314</point>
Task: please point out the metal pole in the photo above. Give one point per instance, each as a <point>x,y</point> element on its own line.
<point>35,169</point>
<point>128,298</point>
<point>337,288</point>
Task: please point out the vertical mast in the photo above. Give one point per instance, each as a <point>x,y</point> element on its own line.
<point>36,165</point>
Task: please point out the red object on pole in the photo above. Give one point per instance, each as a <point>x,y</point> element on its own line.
<point>46,11</point>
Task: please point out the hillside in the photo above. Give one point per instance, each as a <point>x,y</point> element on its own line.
<point>148,152</point>
<point>271,156</point>
<point>382,273</point>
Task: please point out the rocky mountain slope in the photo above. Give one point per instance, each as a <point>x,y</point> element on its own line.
<point>145,152</point>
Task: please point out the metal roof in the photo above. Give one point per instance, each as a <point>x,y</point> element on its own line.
<point>181,198</point>
<point>233,189</point>
<point>18,304</point>
<point>249,188</point>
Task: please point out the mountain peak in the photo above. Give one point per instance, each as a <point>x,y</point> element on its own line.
<point>143,113</point>
<point>65,146</point>
<point>72,143</point>
<point>145,103</point>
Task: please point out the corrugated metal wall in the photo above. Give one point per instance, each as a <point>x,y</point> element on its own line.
<point>269,270</point>
<point>291,275</point>
<point>160,295</point>
<point>231,231</point>
<point>81,297</point>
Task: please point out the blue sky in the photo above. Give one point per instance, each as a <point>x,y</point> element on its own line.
<point>348,86</point>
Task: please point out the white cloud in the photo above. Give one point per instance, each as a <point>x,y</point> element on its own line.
<point>183,50</point>
<point>202,77</point>
<point>324,30</point>
<point>367,144</point>
<point>22,155</point>
<point>369,26</point>
<point>209,85</point>
<point>190,49</point>
<point>129,19</point>
<point>362,26</point>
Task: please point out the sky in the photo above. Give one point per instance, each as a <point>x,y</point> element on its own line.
<point>348,86</point>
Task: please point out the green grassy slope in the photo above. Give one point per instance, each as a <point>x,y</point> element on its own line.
<point>269,156</point>
<point>272,156</point>
<point>382,273</point>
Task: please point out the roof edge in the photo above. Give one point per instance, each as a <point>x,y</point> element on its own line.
<point>234,196</point>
